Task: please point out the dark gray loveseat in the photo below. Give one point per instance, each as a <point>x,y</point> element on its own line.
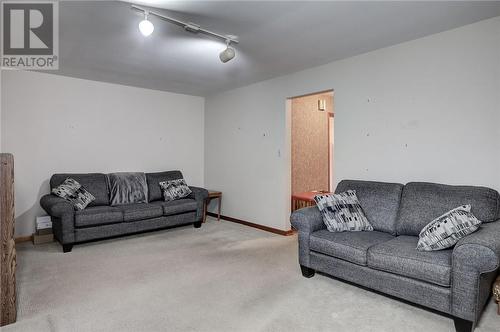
<point>100,220</point>
<point>455,281</point>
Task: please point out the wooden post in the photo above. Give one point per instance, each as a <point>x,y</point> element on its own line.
<point>8,247</point>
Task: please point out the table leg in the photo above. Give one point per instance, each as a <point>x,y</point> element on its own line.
<point>205,211</point>
<point>218,212</point>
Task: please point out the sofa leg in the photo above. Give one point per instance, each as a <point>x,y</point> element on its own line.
<point>197,224</point>
<point>67,247</point>
<point>462,325</point>
<point>307,271</point>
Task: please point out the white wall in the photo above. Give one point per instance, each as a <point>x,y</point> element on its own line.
<point>56,124</point>
<point>425,110</point>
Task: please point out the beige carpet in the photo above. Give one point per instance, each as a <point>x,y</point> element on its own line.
<point>222,277</point>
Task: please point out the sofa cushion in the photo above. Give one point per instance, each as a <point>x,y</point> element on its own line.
<point>178,206</point>
<point>379,200</point>
<point>94,183</point>
<point>349,246</point>
<point>98,215</point>
<point>154,179</point>
<point>401,257</point>
<point>423,202</point>
<point>140,211</point>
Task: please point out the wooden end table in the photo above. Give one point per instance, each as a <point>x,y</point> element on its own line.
<point>211,195</point>
<point>305,199</point>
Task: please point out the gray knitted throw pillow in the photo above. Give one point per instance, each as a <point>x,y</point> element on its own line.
<point>127,188</point>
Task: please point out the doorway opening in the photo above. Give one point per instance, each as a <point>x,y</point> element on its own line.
<point>311,123</point>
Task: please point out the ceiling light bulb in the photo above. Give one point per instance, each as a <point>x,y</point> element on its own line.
<point>227,54</point>
<point>146,27</point>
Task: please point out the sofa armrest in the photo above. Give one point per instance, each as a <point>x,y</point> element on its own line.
<point>198,193</point>
<point>201,196</point>
<point>479,251</point>
<point>56,206</point>
<point>62,214</point>
<point>307,220</point>
<point>475,263</point>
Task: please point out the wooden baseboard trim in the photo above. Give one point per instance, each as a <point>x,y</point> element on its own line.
<point>251,224</point>
<point>21,239</point>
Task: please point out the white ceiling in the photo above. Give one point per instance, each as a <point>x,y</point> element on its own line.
<point>100,40</point>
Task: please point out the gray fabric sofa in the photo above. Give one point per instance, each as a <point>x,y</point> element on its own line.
<point>100,220</point>
<point>456,281</point>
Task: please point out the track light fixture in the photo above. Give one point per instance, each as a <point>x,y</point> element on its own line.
<point>147,28</point>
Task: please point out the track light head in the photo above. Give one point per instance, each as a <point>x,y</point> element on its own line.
<point>228,54</point>
<point>146,27</point>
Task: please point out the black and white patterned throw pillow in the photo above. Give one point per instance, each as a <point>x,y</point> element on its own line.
<point>342,212</point>
<point>73,192</point>
<point>445,231</point>
<point>174,189</point>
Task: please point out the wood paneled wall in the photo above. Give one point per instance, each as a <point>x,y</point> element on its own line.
<point>310,143</point>
<point>8,247</point>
